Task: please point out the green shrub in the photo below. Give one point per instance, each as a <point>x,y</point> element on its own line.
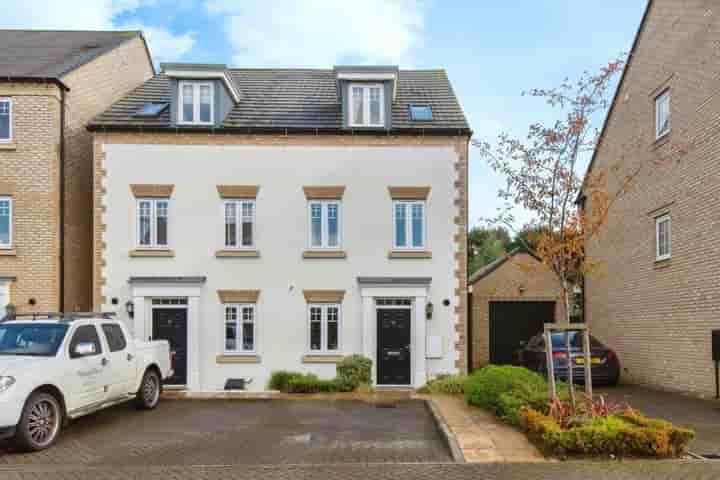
<point>627,433</point>
<point>279,380</point>
<point>310,383</point>
<point>445,383</point>
<point>352,371</point>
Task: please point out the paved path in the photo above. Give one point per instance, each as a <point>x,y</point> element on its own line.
<point>629,470</point>
<point>481,436</point>
<point>703,416</point>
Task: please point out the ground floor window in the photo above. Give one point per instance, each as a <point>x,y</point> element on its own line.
<point>240,333</point>
<point>324,328</point>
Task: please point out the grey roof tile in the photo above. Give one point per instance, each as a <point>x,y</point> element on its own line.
<point>49,54</point>
<point>298,99</point>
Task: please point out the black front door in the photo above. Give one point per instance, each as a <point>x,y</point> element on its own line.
<point>171,324</point>
<point>393,346</point>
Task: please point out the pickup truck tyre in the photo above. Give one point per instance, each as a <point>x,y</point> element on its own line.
<point>40,422</point>
<point>148,396</point>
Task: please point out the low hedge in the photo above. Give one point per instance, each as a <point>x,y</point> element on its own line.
<point>353,371</point>
<point>280,379</point>
<point>311,384</point>
<point>506,390</point>
<point>622,434</point>
<point>450,384</point>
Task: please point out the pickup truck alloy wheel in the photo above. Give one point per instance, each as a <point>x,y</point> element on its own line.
<point>40,423</point>
<point>149,393</point>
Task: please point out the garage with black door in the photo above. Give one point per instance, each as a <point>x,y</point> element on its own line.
<point>512,323</point>
<point>510,300</point>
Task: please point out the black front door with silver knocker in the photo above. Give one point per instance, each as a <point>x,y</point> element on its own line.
<point>393,346</point>
<point>171,324</point>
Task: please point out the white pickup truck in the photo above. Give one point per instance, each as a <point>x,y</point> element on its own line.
<point>57,367</point>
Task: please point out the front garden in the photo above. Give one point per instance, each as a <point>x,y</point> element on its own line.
<point>594,426</point>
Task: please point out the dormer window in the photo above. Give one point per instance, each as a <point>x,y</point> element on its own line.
<point>195,103</point>
<point>367,105</point>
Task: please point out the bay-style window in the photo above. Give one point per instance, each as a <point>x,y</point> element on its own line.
<point>152,222</point>
<point>663,238</point>
<point>366,105</point>
<point>324,220</point>
<point>5,120</point>
<point>6,222</point>
<point>239,223</point>
<point>196,103</point>
<point>324,328</point>
<point>240,331</point>
<point>409,224</point>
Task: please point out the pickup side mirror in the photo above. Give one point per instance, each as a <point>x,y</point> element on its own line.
<point>84,349</point>
<point>523,344</point>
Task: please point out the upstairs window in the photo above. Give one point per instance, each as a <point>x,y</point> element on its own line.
<point>409,225</point>
<point>663,238</point>
<point>152,222</point>
<point>662,114</point>
<point>6,222</point>
<point>239,223</point>
<point>367,105</point>
<point>196,103</point>
<point>5,120</point>
<point>324,217</point>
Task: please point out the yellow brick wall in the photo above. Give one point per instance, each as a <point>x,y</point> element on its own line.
<point>93,88</point>
<point>658,315</point>
<point>538,282</point>
<point>30,174</point>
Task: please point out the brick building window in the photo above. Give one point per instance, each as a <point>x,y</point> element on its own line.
<point>662,114</point>
<point>6,222</point>
<point>5,120</point>
<point>663,238</point>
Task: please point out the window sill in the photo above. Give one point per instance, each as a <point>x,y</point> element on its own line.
<point>324,254</point>
<point>238,358</point>
<point>662,263</point>
<point>8,252</point>
<point>321,358</point>
<point>661,140</point>
<point>146,252</point>
<point>237,254</point>
<point>8,146</point>
<point>410,254</point>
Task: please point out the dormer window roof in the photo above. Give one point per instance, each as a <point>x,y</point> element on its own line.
<point>368,73</point>
<point>195,71</point>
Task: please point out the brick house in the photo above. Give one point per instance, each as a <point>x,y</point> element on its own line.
<point>512,298</point>
<point>51,84</point>
<point>275,219</point>
<point>655,296</point>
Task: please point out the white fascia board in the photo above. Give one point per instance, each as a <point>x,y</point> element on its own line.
<point>206,74</point>
<point>369,76</point>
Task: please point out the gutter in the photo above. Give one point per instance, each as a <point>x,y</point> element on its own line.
<point>53,80</point>
<point>93,127</point>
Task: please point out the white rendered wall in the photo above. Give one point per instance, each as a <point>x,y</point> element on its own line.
<point>281,274</point>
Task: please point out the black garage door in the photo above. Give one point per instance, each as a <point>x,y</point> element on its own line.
<point>515,322</point>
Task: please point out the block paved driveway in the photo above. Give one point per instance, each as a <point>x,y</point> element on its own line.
<point>226,432</point>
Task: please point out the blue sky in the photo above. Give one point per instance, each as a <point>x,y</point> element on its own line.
<point>492,50</point>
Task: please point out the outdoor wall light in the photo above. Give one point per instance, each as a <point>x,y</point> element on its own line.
<point>429,311</point>
<point>521,289</point>
<point>130,308</point>
<point>32,301</point>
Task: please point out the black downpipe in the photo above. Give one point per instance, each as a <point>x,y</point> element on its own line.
<point>61,283</point>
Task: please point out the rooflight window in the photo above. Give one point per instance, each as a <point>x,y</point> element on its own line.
<point>196,103</point>
<point>421,113</point>
<point>151,109</point>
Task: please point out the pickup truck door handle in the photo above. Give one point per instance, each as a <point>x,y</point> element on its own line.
<point>104,362</point>
<point>130,357</point>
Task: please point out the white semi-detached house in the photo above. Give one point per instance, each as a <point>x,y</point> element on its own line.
<point>280,219</point>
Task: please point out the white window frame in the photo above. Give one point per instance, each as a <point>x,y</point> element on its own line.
<point>366,104</point>
<point>324,329</point>
<point>238,329</point>
<point>8,245</point>
<point>658,221</point>
<point>663,97</point>
<point>196,103</point>
<point>408,225</point>
<point>238,219</point>
<point>10,120</point>
<point>153,223</point>
<point>324,230</point>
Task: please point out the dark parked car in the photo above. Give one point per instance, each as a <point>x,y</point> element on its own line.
<point>604,362</point>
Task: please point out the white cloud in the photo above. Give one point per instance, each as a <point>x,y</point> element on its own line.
<point>94,15</point>
<point>321,32</point>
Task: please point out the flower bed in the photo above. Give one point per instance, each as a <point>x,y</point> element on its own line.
<point>591,427</point>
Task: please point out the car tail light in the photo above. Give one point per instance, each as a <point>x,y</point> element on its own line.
<point>562,355</point>
<point>610,355</point>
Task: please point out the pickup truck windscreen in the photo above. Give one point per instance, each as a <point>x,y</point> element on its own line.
<point>36,339</point>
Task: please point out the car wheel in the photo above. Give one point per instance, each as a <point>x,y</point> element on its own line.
<point>40,422</point>
<point>148,396</point>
